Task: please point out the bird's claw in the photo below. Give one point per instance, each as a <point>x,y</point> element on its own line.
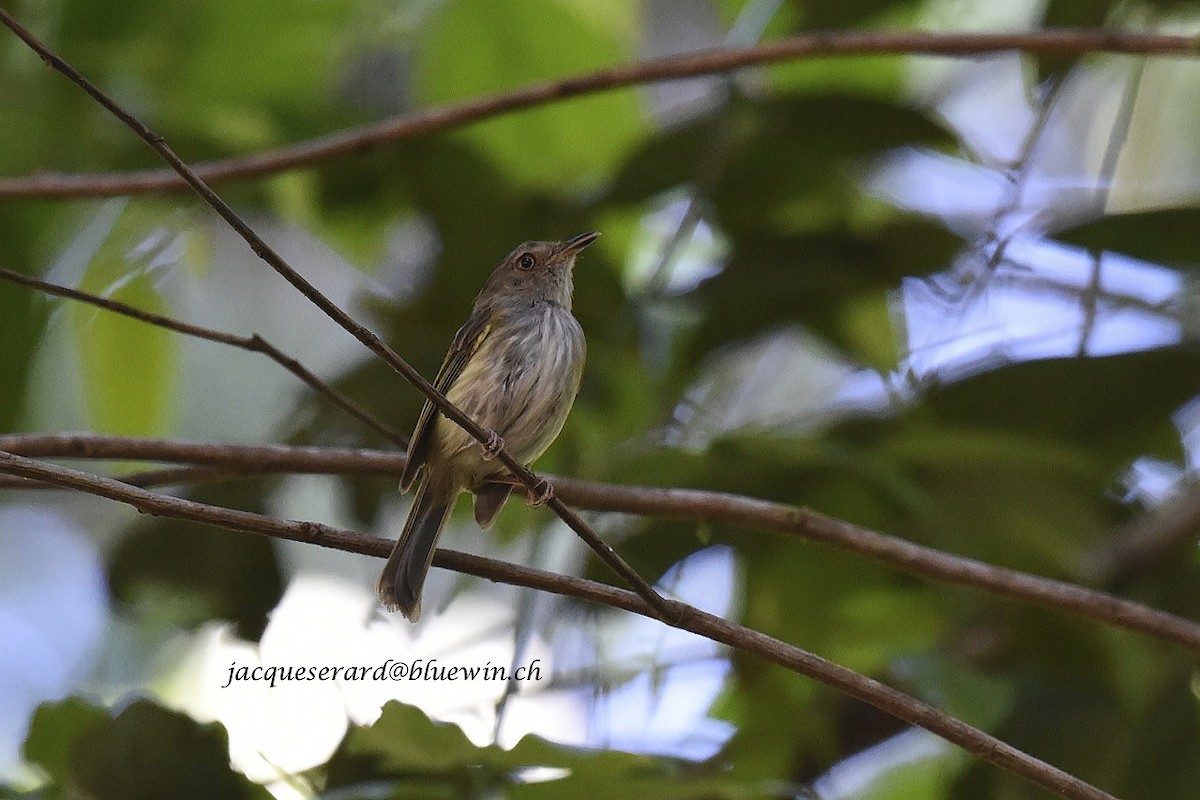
<point>540,494</point>
<point>492,447</point>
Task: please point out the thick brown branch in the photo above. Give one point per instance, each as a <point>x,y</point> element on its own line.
<point>818,45</point>
<point>692,504</point>
<point>333,311</point>
<point>253,344</point>
<point>982,745</point>
<point>891,550</point>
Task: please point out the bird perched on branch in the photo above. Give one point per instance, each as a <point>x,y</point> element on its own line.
<point>514,368</point>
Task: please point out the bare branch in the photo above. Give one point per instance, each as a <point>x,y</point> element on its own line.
<point>685,617</point>
<point>355,141</point>
<point>692,504</point>
<point>335,312</point>
<point>248,457</point>
<point>253,344</point>
<point>891,550</point>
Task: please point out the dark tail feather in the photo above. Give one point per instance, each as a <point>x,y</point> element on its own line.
<point>489,498</point>
<point>399,585</point>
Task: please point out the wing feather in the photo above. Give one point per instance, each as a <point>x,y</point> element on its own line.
<point>466,343</point>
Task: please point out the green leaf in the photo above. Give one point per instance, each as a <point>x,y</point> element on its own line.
<point>660,163</point>
<point>1102,404</point>
<point>1164,236</point>
<point>822,280</point>
<point>128,366</point>
<point>426,759</point>
<point>20,322</point>
<point>405,739</point>
<point>1168,729</point>
<point>464,55</point>
<point>927,775</point>
<point>792,160</point>
<point>184,573</point>
<point>53,732</point>
<point>973,696</point>
<point>148,752</point>
<point>1008,498</point>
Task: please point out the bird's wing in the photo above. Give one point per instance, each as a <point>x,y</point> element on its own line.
<point>466,344</point>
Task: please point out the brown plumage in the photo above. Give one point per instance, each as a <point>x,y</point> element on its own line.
<point>514,368</point>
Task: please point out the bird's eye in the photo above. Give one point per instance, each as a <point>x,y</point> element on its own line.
<point>526,261</point>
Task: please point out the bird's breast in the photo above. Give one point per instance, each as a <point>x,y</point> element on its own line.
<point>521,382</point>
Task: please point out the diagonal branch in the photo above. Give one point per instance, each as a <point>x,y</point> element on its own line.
<point>253,344</point>
<point>336,313</point>
<point>355,141</point>
<point>213,460</point>
<point>680,615</point>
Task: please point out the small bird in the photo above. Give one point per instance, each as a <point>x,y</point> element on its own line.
<point>514,368</point>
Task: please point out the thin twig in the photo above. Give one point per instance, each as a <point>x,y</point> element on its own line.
<point>691,504</point>
<point>253,344</point>
<point>681,615</point>
<point>336,313</point>
<point>242,457</point>
<point>355,141</point>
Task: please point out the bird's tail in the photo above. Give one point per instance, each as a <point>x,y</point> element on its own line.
<point>399,585</point>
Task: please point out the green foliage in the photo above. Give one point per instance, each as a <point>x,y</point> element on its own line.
<point>1150,235</point>
<point>115,351</point>
<point>144,751</point>
<point>1019,464</point>
<point>19,322</point>
<point>53,732</point>
<point>461,56</point>
<point>183,573</point>
<point>420,758</point>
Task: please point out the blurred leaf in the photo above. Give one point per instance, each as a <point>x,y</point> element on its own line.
<point>1070,14</point>
<point>184,573</point>
<point>28,231</point>
<point>972,696</point>
<point>913,776</point>
<point>149,752</point>
<point>1104,404</point>
<point>1006,498</point>
<point>1076,13</point>
<point>660,163</point>
<point>1059,691</point>
<point>1095,13</point>
<point>128,366</point>
<point>1164,236</point>
<point>849,14</point>
<point>53,732</point>
<point>869,76</point>
<point>403,739</point>
<point>790,161</point>
<point>1169,728</point>
<point>820,280</point>
<point>461,56</point>
<point>430,760</point>
<point>868,332</point>
<point>20,323</point>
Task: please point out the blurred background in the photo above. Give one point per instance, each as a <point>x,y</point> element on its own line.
<point>951,300</point>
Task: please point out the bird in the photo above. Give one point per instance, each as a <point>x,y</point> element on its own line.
<point>514,368</point>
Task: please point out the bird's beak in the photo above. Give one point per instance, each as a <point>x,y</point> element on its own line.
<point>577,243</point>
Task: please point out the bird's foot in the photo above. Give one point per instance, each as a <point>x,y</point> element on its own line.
<point>540,494</point>
<point>492,447</point>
